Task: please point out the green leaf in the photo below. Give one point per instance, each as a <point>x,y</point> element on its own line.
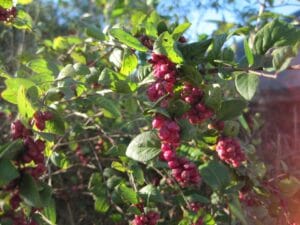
<point>118,166</point>
<point>8,172</point>
<point>23,21</point>
<point>113,181</point>
<point>194,53</point>
<point>29,191</point>
<point>191,74</point>
<point>97,187</point>
<point>216,47</point>
<point>236,210</point>
<point>127,39</point>
<point>95,32</point>
<point>180,29</point>
<point>246,84</point>
<point>128,195</point>
<point>187,130</point>
<point>67,71</point>
<point>78,57</point>
<point>129,63</point>
<point>213,97</point>
<point>231,108</point>
<point>60,160</point>
<point>248,53</point>
<point>289,186</point>
<point>42,66</point>
<point>282,57</point>
<point>215,174</point>
<point>27,98</point>
<point>82,69</point>
<point>11,150</point>
<point>275,34</point>
<point>24,2</point>
<point>101,204</point>
<point>210,136</point>
<point>60,43</point>
<point>178,107</point>
<point>198,198</point>
<point>151,193</point>
<point>10,94</point>
<point>143,147</point>
<point>117,82</point>
<point>45,193</point>
<point>50,212</point>
<point>138,174</point>
<point>94,183</point>
<point>109,107</point>
<point>56,125</point>
<point>6,4</point>
<point>165,45</point>
<point>43,81</point>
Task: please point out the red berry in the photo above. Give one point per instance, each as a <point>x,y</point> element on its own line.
<point>40,124</point>
<point>169,155</point>
<point>47,115</point>
<point>229,150</point>
<point>15,201</point>
<point>18,130</point>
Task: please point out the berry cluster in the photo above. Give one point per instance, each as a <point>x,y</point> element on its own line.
<point>182,39</point>
<point>164,73</point>
<point>34,149</point>
<point>7,15</point>
<point>184,171</point>
<point>198,222</point>
<point>194,206</point>
<point>248,198</point>
<point>168,130</point>
<point>146,41</point>
<point>19,219</point>
<point>99,146</point>
<point>198,111</point>
<point>33,152</point>
<point>83,159</point>
<point>40,118</point>
<point>217,125</point>
<point>229,150</point>
<point>15,200</point>
<point>18,130</point>
<point>149,218</point>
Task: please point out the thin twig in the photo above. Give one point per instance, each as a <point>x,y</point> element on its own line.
<point>247,70</point>
<point>264,73</point>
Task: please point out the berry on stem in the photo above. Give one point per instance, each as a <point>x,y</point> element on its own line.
<point>229,150</point>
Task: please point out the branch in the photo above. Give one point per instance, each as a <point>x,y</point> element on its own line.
<point>294,67</point>
<point>263,73</point>
<point>246,70</point>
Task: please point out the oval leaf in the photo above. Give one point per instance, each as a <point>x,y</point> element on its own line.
<point>231,108</point>
<point>143,147</point>
<point>246,85</point>
<point>127,39</point>
<point>215,174</point>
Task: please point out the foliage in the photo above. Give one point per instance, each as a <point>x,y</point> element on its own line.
<point>81,122</point>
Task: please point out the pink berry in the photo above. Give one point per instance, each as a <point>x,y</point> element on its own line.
<point>229,150</point>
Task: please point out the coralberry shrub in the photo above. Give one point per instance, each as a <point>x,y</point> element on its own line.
<point>138,125</point>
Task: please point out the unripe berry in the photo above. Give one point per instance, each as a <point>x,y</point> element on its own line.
<point>231,128</point>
